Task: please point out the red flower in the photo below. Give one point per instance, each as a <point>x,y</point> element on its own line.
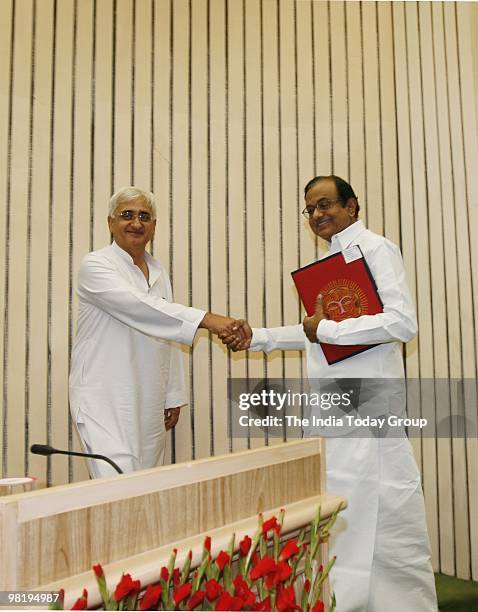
<point>286,599</point>
<point>213,589</point>
<point>280,574</point>
<point>164,574</point>
<point>228,602</point>
<point>319,606</point>
<point>98,571</point>
<point>125,586</point>
<point>289,550</point>
<point>307,585</point>
<point>82,602</point>
<point>270,524</point>
<point>222,559</point>
<point>196,599</point>
<point>264,605</point>
<point>242,590</point>
<point>151,597</point>
<point>264,566</point>
<point>245,545</point>
<point>182,592</point>
<point>176,576</point>
<point>207,543</point>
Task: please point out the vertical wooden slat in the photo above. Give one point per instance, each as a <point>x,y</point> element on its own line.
<point>80,221</point>
<point>218,207</point>
<point>272,282</point>
<point>357,150</point>
<point>373,162</point>
<point>39,239</point>
<point>200,228</point>
<point>254,178</point>
<point>6,41</point>
<point>17,245</point>
<point>293,224</point>
<point>103,64</point>
<point>235,197</point>
<point>462,550</point>
<point>339,92</point>
<point>184,433</point>
<point>59,224</point>
<point>467,22</point>
<point>142,133</point>
<point>391,205</point>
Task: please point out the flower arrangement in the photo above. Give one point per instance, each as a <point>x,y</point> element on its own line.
<point>264,578</point>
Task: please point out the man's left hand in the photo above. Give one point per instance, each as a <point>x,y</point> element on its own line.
<point>171,417</point>
<point>310,324</point>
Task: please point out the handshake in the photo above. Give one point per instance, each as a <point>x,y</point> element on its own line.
<point>236,334</point>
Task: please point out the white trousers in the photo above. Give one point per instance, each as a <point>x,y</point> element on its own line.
<point>380,540</point>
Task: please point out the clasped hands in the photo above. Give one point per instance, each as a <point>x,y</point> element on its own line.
<point>236,334</point>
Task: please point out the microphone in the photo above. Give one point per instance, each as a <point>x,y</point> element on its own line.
<point>46,449</point>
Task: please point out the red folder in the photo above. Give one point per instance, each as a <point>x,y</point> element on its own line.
<point>349,291</point>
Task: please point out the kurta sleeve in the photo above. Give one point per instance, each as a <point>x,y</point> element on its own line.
<point>288,338</point>
<point>101,284</point>
<point>176,392</point>
<point>397,322</point>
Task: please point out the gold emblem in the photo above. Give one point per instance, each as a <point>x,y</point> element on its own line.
<point>344,299</point>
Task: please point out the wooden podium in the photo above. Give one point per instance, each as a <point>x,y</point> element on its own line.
<point>51,538</point>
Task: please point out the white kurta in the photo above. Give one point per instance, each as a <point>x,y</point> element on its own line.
<point>125,371</point>
<point>381,541</point>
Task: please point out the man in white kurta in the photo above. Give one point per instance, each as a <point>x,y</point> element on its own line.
<point>126,375</point>
<point>380,540</point>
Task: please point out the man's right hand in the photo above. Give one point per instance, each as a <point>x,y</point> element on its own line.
<point>224,326</point>
<point>238,336</point>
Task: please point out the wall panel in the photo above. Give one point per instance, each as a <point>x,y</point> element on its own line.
<point>225,108</point>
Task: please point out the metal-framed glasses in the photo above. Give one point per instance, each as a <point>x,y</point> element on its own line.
<point>322,205</point>
<point>129,215</point>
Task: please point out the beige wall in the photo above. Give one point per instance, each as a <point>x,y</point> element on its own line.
<point>225,108</point>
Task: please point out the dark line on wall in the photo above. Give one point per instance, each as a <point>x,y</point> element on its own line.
<point>152,94</point>
<point>364,117</point>
<point>113,97</point>
<point>170,177</point>
<point>314,111</point>
<point>227,206</point>
<point>263,195</point>
<point>440,187</point>
<point>452,168</point>
<point>92,130</point>
<point>209,246</point>
<point>133,90</point>
<point>280,186</point>
<point>331,88</point>
<point>71,216</point>
<point>297,168</point>
<point>190,229</point>
<point>397,156</point>
<point>29,244</point>
<point>347,88</point>
<point>50,236</point>
<point>244,153</point>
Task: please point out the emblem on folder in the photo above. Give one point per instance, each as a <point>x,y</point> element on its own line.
<point>344,299</point>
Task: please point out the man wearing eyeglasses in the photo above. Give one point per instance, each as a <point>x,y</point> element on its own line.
<point>126,378</point>
<point>381,541</point>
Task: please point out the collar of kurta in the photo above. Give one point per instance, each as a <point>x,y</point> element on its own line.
<point>153,265</point>
<point>344,239</point>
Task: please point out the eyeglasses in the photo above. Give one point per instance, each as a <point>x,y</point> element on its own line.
<point>129,215</point>
<point>321,205</point>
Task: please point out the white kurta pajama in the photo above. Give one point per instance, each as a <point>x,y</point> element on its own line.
<point>125,371</point>
<point>381,541</point>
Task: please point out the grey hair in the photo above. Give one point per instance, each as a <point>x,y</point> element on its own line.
<point>128,194</point>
